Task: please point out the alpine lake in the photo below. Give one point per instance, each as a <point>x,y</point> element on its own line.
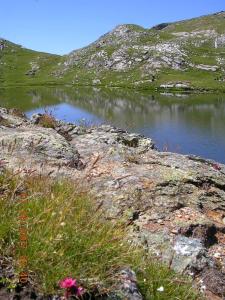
<point>183,123</point>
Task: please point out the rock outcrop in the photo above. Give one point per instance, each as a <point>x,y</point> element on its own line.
<point>143,53</point>
<point>174,204</point>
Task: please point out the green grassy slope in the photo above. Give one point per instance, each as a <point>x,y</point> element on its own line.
<point>215,21</point>
<point>131,56</point>
<point>16,62</point>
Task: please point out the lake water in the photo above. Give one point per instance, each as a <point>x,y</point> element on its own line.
<point>189,124</point>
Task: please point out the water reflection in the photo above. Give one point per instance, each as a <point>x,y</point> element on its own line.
<point>187,124</point>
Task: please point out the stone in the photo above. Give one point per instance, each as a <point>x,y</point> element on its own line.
<point>214,281</point>
<point>189,254</point>
<point>125,286</point>
<point>207,67</point>
<point>37,145</point>
<point>13,117</point>
<point>96,81</point>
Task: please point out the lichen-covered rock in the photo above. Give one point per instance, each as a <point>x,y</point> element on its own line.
<point>12,117</point>
<point>214,280</point>
<point>189,254</point>
<point>37,145</point>
<point>125,286</point>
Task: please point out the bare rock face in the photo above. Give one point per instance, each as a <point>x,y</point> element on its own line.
<point>174,204</point>
<point>125,286</point>
<point>214,280</point>
<point>39,145</point>
<point>12,117</point>
<point>22,143</point>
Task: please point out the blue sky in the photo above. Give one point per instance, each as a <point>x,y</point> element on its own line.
<point>60,26</point>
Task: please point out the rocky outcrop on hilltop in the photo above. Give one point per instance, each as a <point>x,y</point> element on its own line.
<point>129,46</point>
<point>174,204</point>
<point>122,49</point>
<point>149,56</point>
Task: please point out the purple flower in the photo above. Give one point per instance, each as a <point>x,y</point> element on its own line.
<point>80,291</point>
<point>216,167</point>
<point>71,287</point>
<point>67,283</point>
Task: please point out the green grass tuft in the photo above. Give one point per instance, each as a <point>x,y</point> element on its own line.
<point>68,236</point>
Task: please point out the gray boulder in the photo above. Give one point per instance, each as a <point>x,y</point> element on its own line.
<point>37,145</point>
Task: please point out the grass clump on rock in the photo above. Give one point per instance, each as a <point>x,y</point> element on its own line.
<point>47,121</point>
<point>69,237</point>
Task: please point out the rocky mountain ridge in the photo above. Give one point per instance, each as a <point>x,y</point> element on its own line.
<point>144,55</point>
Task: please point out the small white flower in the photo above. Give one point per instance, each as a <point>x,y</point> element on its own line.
<point>160,289</point>
<point>59,236</point>
<point>144,279</point>
<point>203,288</point>
<point>62,224</point>
<point>217,255</point>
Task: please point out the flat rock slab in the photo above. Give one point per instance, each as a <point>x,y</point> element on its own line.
<point>36,145</point>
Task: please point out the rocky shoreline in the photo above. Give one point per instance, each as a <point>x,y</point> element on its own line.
<point>174,204</point>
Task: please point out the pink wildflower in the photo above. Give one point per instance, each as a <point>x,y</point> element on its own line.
<point>71,287</point>
<point>216,167</point>
<point>67,283</point>
<point>80,291</point>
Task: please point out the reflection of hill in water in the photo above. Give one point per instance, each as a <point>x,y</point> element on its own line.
<point>194,123</point>
<point>139,109</point>
<point>127,108</point>
<point>27,98</point>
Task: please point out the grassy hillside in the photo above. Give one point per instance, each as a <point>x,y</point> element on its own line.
<point>215,21</point>
<point>185,55</point>
<point>23,66</point>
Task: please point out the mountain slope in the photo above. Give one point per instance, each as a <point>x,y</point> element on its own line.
<point>23,66</point>
<point>182,55</point>
<point>192,52</point>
